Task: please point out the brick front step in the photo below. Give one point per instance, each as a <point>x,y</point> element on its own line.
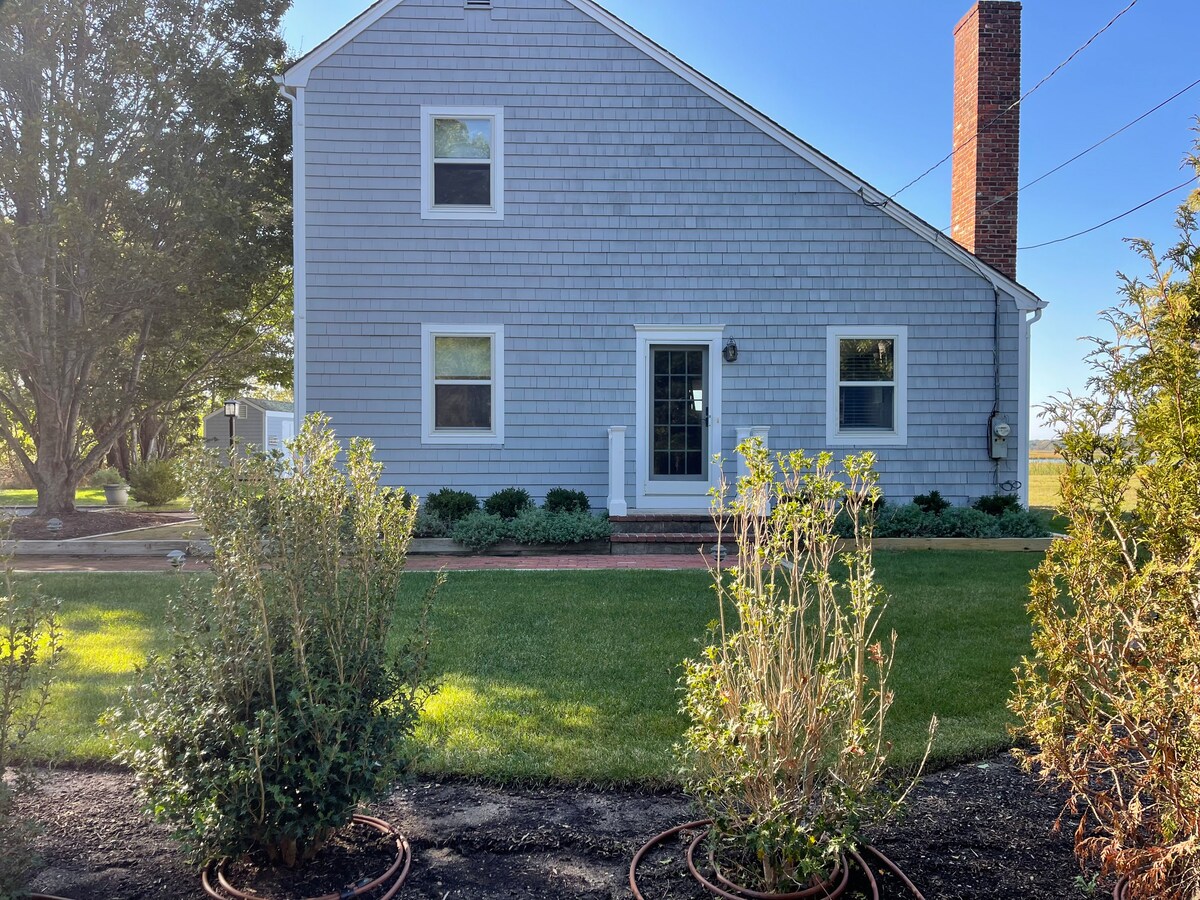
<point>675,523</point>
<point>664,542</point>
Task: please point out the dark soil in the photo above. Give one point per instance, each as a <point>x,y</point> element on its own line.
<point>85,523</point>
<point>981,831</point>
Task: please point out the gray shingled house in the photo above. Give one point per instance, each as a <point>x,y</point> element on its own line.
<point>534,248</point>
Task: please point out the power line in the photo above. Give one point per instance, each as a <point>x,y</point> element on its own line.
<point>1114,218</point>
<point>1082,153</point>
<point>937,165</point>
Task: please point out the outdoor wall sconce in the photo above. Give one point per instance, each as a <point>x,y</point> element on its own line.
<point>730,351</point>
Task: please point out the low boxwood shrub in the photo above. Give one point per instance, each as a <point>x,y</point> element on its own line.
<point>906,520</point>
<point>281,701</point>
<point>563,500</point>
<point>910,520</point>
<point>155,482</point>
<point>107,475</point>
<point>1021,523</point>
<point>997,504</point>
<point>508,503</point>
<point>428,525</point>
<point>962,521</point>
<point>479,530</point>
<point>450,505</point>
<point>537,526</point>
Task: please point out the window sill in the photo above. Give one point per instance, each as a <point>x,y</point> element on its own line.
<point>867,439</point>
<point>493,440</point>
<point>464,215</point>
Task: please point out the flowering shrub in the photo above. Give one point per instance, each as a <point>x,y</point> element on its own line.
<point>282,700</point>
<point>1111,694</point>
<point>787,703</point>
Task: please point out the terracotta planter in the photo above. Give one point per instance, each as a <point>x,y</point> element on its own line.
<point>116,494</point>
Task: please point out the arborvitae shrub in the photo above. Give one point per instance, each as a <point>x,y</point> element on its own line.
<point>1110,698</point>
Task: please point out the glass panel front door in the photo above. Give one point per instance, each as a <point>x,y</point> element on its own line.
<point>679,413</point>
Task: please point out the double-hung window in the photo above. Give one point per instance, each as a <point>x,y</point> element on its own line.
<point>462,163</point>
<point>867,385</point>
<point>463,384</point>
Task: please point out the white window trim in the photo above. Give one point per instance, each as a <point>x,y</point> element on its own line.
<point>834,437</point>
<point>430,435</point>
<point>653,494</point>
<point>495,212</point>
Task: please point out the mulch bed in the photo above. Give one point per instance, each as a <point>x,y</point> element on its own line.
<point>84,523</point>
<point>982,831</point>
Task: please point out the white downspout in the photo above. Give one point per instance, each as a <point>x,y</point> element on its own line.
<point>1023,432</point>
<point>295,95</point>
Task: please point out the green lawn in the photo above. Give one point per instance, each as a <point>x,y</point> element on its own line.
<point>1043,492</point>
<point>83,497</point>
<point>572,675</point>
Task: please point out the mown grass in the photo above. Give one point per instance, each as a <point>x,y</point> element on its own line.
<point>83,497</point>
<point>572,676</point>
<point>1044,494</point>
<point>23,497</point>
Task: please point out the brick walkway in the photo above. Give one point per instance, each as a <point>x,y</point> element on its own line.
<point>415,563</point>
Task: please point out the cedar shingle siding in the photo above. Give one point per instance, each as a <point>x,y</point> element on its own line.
<point>630,197</point>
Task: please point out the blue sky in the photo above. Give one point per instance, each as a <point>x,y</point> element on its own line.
<point>868,82</point>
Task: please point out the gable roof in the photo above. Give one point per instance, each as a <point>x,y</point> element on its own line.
<point>297,76</point>
<point>270,405</point>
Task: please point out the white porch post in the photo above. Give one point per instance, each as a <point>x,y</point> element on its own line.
<point>743,435</point>
<point>746,433</point>
<point>616,471</point>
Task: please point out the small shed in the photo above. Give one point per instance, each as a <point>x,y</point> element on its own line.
<point>262,424</point>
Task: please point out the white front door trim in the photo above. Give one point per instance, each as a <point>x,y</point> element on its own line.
<point>675,494</point>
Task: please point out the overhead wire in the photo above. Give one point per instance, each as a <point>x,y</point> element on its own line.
<point>1127,212</point>
<point>1015,103</point>
<point>1083,153</point>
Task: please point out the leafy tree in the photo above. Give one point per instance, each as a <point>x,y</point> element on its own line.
<point>1111,696</point>
<point>143,216</point>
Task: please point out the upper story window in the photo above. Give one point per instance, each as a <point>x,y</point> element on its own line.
<point>463,384</point>
<point>462,163</point>
<point>866,370</point>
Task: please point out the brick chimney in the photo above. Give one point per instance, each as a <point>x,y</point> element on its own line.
<point>987,81</point>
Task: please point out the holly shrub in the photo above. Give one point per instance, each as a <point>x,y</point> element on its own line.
<point>30,649</point>
<point>508,503</point>
<point>565,500</point>
<point>787,703</point>
<point>1111,695</point>
<point>284,699</point>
